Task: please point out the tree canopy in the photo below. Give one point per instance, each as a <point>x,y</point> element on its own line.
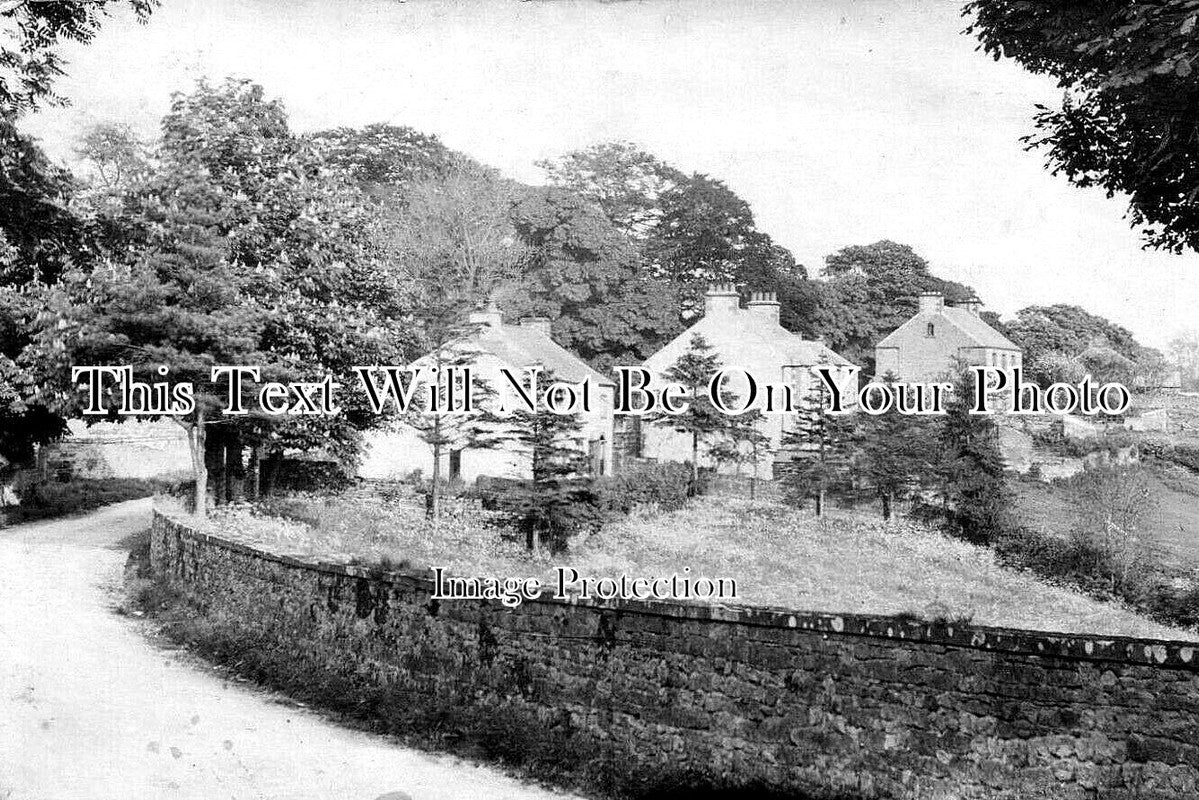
<point>1127,122</point>
<point>872,290</point>
<point>30,64</point>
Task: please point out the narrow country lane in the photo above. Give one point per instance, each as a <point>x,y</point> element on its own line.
<point>91,709</point>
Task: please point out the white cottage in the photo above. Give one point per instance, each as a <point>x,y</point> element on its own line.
<point>494,345</point>
<point>752,339</point>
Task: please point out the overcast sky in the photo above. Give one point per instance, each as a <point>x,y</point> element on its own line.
<point>840,122</point>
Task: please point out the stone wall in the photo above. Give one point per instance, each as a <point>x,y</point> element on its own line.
<point>823,705</point>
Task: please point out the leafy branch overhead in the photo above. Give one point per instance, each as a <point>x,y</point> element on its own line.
<point>29,64</point>
<point>1129,118</point>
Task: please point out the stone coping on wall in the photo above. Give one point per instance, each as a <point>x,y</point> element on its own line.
<point>1167,654</point>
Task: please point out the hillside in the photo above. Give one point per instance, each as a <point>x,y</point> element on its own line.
<point>848,562</point>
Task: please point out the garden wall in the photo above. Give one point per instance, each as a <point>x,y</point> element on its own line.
<point>649,694</point>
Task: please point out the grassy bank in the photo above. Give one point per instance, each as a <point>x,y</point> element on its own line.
<point>54,499</point>
<point>846,562</point>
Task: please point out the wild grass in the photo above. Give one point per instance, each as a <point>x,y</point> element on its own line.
<point>779,556</point>
<point>57,499</point>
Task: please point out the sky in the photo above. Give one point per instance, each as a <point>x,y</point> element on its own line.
<point>840,121</point>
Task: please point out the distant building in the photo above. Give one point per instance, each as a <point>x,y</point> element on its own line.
<point>131,449</point>
<point>492,346</point>
<point>926,347</point>
<point>751,339</point>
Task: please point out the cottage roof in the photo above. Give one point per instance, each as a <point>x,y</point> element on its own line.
<point>741,334</point>
<point>978,331</point>
<point>519,347</point>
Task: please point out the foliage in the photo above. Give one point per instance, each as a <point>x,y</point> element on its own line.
<point>744,443</point>
<point>583,273</point>
<point>29,62</point>
<point>895,454</point>
<point>115,153</point>
<point>448,428</point>
<point>702,421</point>
<point>688,230</point>
<point>1126,122</point>
<point>706,235</point>
<point>871,290</point>
<point>241,249</point>
<point>560,500</point>
<point>626,183</point>
<point>1113,506</point>
<point>58,499</point>
<point>454,243</point>
<point>1063,342</point>
<point>383,159</point>
<point>662,486</point>
<point>821,446</point>
<point>1184,354</point>
<point>974,494</point>
<point>41,234</point>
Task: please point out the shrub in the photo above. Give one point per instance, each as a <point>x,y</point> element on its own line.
<point>55,499</point>
<point>664,486</point>
<point>551,512</point>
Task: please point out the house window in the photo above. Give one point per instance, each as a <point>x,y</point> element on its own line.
<point>930,331</point>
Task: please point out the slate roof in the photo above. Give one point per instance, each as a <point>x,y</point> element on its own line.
<point>742,331</point>
<point>520,347</point>
<point>982,334</point>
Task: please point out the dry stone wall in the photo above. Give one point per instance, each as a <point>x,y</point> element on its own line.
<point>827,706</point>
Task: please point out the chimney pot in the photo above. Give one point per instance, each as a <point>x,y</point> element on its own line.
<point>931,301</point>
<point>491,316</point>
<point>721,298</point>
<point>539,324</point>
<point>765,306</point>
<point>973,305</point>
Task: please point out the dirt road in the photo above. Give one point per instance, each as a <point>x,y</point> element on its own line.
<point>89,708</point>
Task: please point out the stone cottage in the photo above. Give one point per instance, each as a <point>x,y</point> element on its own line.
<point>751,339</point>
<point>490,346</point>
<point>926,347</point>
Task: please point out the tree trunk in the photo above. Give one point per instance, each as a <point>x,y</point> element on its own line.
<point>255,484</point>
<point>820,502</point>
<point>270,471</point>
<point>197,435</point>
<point>694,464</point>
<point>435,489</point>
<point>887,506</point>
<point>214,463</point>
<point>235,468</point>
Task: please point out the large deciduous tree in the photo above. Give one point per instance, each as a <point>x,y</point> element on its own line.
<point>872,290</point>
<point>383,159</point>
<point>1129,119</point>
<point>1061,342</point>
<point>689,230</point>
<point>242,249</point>
<point>454,242</point>
<point>41,234</point>
<point>626,182</point>
<point>582,273</point>
<point>29,62</point>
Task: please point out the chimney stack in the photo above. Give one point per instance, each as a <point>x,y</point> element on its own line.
<point>931,301</point>
<point>765,306</point>
<point>491,316</point>
<point>539,324</point>
<point>973,305</point>
<point>722,298</point>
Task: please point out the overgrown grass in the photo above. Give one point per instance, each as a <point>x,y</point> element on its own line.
<point>55,499</point>
<point>779,556</point>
